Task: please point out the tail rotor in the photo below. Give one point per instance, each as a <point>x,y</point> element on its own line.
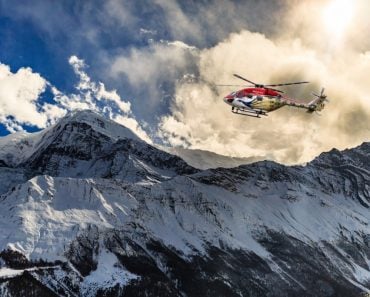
<point>318,103</point>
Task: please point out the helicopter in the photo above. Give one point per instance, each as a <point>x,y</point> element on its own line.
<point>257,100</point>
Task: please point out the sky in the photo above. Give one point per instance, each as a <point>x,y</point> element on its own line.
<point>153,66</point>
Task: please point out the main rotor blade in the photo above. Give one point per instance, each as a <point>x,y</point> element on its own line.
<point>288,84</point>
<point>240,77</point>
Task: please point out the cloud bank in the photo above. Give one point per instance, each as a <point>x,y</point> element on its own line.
<point>19,94</point>
<point>200,120</point>
<point>21,101</point>
<point>168,57</point>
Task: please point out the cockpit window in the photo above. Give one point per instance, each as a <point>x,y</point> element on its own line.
<point>240,94</point>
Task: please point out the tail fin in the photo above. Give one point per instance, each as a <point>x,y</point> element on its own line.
<point>318,103</point>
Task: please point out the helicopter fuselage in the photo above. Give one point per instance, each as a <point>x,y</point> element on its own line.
<point>260,99</point>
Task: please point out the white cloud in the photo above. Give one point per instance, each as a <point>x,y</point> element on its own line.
<point>298,47</point>
<point>94,96</point>
<point>146,68</point>
<point>133,124</point>
<point>20,102</point>
<point>18,96</point>
<point>97,91</point>
<point>178,22</point>
<point>199,118</point>
<point>10,124</point>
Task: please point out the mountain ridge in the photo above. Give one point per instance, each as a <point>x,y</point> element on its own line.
<point>120,218</point>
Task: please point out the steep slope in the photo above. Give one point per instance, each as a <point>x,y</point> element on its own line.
<point>14,148</point>
<point>262,229</point>
<point>83,144</point>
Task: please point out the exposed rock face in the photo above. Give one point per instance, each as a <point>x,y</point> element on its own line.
<point>88,209</point>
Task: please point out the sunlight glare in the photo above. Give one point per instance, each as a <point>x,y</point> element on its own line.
<point>337,16</point>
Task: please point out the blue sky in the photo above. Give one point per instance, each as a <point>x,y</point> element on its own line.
<point>160,58</point>
<point>43,35</point>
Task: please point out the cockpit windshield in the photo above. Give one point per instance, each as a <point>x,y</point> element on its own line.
<point>243,93</point>
<point>240,94</point>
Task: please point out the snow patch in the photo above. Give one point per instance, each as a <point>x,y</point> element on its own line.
<point>8,272</point>
<point>108,274</point>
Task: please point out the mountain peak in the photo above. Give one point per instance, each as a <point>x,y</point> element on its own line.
<point>357,156</point>
<point>17,147</point>
<point>84,144</point>
<point>100,123</point>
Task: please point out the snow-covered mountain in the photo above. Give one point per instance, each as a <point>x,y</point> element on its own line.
<point>83,145</point>
<point>88,209</point>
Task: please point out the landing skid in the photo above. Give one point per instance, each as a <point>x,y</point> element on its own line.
<point>249,113</point>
